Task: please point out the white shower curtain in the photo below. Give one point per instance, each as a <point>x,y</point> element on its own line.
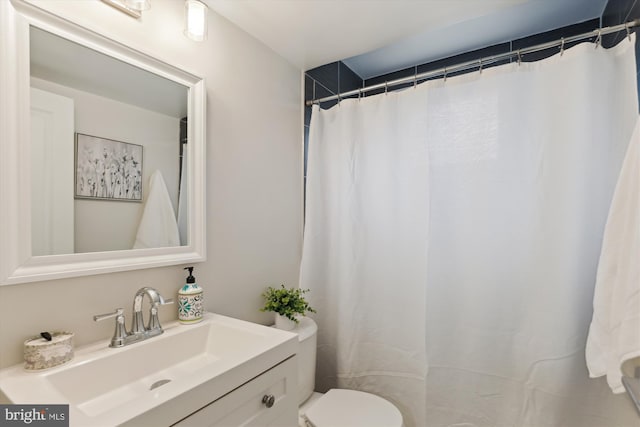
<point>365,249</point>
<point>506,178</point>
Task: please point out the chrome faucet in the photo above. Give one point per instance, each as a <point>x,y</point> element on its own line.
<point>139,332</point>
<point>153,328</point>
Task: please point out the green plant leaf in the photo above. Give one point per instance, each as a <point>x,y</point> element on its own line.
<point>287,302</point>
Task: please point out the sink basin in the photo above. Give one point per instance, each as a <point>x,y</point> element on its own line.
<point>157,381</point>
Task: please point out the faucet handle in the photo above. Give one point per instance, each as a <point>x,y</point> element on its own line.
<point>120,333</point>
<point>100,317</point>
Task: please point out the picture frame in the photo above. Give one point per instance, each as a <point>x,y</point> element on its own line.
<point>106,169</point>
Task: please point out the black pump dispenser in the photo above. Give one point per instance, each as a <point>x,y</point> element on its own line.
<point>190,279</point>
<point>190,300</point>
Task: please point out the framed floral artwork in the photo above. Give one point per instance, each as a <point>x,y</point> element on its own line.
<point>107,170</point>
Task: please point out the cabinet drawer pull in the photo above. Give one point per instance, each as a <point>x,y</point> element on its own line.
<point>268,400</point>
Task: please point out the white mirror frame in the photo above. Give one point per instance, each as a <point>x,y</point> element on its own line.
<point>17,265</point>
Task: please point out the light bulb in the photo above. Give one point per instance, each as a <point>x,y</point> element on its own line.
<point>195,20</point>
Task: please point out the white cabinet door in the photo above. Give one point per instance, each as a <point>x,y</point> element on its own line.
<point>244,406</point>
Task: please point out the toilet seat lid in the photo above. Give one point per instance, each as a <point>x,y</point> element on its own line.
<point>350,408</point>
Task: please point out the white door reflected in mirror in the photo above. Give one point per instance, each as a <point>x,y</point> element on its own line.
<point>52,230</point>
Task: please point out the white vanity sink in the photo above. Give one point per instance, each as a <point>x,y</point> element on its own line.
<point>158,381</point>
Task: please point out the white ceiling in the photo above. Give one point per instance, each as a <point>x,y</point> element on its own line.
<point>375,37</point>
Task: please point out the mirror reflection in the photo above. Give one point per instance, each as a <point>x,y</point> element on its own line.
<point>107,144</point>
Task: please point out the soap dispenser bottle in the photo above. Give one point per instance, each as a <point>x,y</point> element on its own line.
<point>190,300</point>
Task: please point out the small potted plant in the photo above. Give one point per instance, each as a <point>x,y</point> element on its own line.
<point>288,304</point>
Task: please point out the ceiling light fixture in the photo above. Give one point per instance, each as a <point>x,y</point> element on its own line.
<point>195,20</point>
<point>122,7</point>
<point>138,5</point>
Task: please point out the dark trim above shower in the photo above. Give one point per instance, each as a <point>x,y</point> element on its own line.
<point>478,64</point>
<point>336,77</point>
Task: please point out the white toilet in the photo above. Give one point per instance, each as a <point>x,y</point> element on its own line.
<point>337,407</point>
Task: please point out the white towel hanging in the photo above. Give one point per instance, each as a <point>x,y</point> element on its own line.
<point>614,334</point>
<point>158,226</point>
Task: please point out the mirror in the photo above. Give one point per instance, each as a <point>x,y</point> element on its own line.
<point>125,123</point>
<point>104,153</point>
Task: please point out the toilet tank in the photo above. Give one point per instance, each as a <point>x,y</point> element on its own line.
<point>307,335</point>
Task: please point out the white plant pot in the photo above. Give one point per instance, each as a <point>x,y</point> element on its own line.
<point>284,323</point>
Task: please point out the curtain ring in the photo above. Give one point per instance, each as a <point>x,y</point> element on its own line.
<point>628,31</point>
<point>562,46</point>
<point>444,80</point>
<point>415,77</point>
<point>480,66</point>
<point>519,58</point>
<point>599,38</point>
<point>359,94</point>
<point>386,87</point>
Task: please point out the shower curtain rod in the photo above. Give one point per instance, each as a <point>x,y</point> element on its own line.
<point>416,78</point>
